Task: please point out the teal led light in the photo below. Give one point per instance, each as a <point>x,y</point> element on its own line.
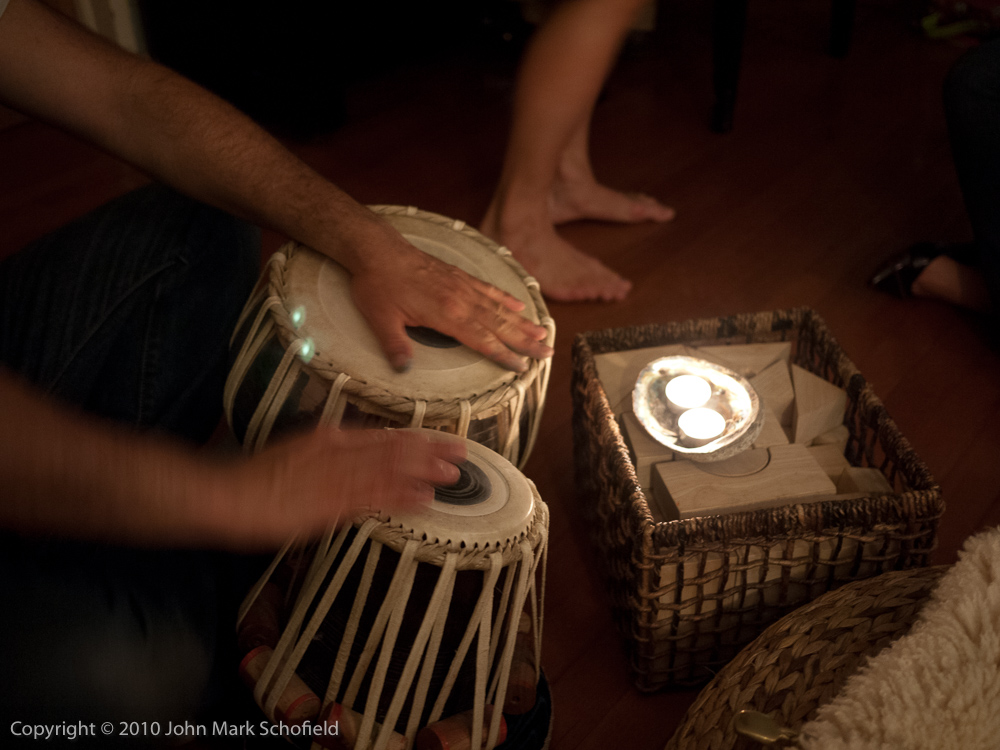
<point>307,351</point>
<point>298,317</point>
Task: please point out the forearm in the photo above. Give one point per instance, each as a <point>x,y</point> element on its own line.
<point>192,140</point>
<point>204,147</point>
<point>177,132</point>
<point>67,474</point>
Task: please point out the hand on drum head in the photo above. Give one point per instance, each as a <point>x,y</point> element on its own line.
<point>303,485</point>
<point>420,290</point>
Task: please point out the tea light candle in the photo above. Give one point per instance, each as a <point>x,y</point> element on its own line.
<point>700,426</point>
<point>687,392</point>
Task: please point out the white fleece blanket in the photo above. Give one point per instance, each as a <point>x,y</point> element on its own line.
<point>939,685</point>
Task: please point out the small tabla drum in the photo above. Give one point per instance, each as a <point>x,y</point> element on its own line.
<point>305,354</point>
<point>414,629</point>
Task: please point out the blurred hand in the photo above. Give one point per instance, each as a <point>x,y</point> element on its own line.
<point>417,289</point>
<point>305,484</point>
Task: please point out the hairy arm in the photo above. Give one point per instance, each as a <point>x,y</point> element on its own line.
<point>69,474</point>
<point>192,140</point>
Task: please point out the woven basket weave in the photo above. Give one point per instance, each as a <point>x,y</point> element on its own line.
<point>689,594</point>
<point>802,661</point>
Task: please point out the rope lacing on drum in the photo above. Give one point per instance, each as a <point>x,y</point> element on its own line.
<point>510,448</point>
<point>333,409</point>
<point>270,403</point>
<point>276,259</point>
<point>492,658</point>
<point>293,644</point>
<point>419,410</point>
<point>256,338</point>
<point>464,419</point>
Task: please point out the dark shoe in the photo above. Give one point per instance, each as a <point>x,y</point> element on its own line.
<point>897,275</point>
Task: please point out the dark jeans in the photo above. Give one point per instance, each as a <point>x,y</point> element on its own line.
<point>972,106</point>
<point>127,314</point>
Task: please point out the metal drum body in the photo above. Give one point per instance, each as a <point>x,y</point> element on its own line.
<point>305,354</point>
<point>410,618</point>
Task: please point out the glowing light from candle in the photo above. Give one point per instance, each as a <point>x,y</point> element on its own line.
<point>687,392</point>
<point>701,424</point>
<point>733,406</point>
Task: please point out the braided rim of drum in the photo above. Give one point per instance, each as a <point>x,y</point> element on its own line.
<point>395,536</point>
<point>393,405</point>
<point>802,661</point>
<point>899,529</point>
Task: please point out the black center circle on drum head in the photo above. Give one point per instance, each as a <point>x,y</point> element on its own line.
<point>490,506</point>
<point>430,337</point>
<point>472,487</point>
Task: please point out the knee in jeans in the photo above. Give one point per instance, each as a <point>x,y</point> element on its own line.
<point>232,250</point>
<point>208,241</point>
<point>223,249</point>
<point>136,684</point>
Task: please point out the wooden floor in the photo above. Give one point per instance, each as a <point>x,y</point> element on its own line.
<point>833,164</point>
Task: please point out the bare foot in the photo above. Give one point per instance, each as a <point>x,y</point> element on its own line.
<point>588,199</point>
<point>564,273</point>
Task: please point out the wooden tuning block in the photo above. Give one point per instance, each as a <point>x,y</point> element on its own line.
<point>819,405</point>
<point>865,480</point>
<point>522,684</point>
<point>751,480</point>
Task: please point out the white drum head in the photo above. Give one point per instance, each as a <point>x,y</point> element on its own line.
<point>344,341</point>
<point>492,505</point>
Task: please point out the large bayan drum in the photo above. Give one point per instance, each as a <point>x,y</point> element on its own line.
<point>305,354</point>
<point>418,628</point>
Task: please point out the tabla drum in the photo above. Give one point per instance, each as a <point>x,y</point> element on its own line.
<point>406,627</point>
<point>303,352</point>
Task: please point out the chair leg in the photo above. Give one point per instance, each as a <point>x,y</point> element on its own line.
<point>841,25</point>
<point>728,27</point>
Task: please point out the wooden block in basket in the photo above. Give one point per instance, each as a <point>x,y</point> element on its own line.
<point>748,360</point>
<point>863,479</point>
<point>819,405</point>
<point>753,479</point>
<point>774,386</point>
<point>831,459</point>
<point>772,433</point>
<point>838,436</point>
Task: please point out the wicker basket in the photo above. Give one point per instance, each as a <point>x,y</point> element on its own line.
<point>802,661</point>
<point>688,595</point>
